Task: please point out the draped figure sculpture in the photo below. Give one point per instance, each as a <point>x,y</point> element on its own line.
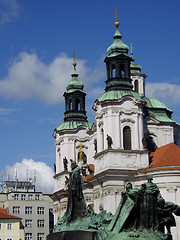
<point>76,206</point>
<point>142,210</point>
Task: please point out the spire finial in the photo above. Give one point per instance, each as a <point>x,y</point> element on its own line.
<point>116,22</point>
<point>74,63</point>
<point>131,49</point>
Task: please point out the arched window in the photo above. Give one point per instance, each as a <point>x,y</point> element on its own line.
<point>122,70</point>
<point>77,104</point>
<point>113,73</point>
<point>127,138</point>
<point>70,104</point>
<point>136,86</point>
<point>102,138</point>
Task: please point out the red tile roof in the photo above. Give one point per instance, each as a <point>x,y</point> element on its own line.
<point>166,156</point>
<point>5,215</point>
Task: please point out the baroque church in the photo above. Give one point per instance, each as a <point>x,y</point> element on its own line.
<point>133,136</point>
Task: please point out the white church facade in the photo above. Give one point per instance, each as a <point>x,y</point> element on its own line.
<point>121,144</point>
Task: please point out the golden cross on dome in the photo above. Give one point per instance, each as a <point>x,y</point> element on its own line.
<point>74,63</point>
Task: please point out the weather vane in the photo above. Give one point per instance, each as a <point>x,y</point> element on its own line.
<point>74,63</point>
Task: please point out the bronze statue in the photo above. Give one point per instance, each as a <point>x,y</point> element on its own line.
<point>143,211</point>
<point>76,204</point>
<point>127,214</point>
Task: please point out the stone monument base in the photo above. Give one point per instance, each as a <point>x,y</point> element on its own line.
<point>73,235</point>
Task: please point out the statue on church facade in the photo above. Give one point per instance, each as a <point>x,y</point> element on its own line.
<point>109,141</point>
<point>65,162</point>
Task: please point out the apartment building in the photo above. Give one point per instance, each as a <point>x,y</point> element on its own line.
<point>21,200</point>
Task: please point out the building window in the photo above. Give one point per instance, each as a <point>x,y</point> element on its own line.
<point>122,70</point>
<point>136,86</point>
<point>28,236</point>
<point>30,197</point>
<point>40,236</point>
<point>40,223</point>
<point>70,104</point>
<point>16,196</point>
<point>16,210</point>
<point>40,210</point>
<point>102,138</point>
<point>127,138</point>
<point>9,226</point>
<point>0,226</point>
<point>28,210</point>
<point>23,196</point>
<point>77,104</point>
<point>113,71</point>
<point>28,223</point>
<point>36,197</point>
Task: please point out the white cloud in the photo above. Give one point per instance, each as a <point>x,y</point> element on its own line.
<point>44,174</point>
<point>8,111</point>
<point>168,93</point>
<point>28,77</point>
<point>9,10</point>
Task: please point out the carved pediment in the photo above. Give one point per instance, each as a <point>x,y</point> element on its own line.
<point>127,120</point>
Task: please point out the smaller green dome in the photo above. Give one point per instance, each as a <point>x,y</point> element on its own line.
<point>135,68</point>
<point>154,103</point>
<point>75,83</point>
<point>70,125</point>
<point>117,47</point>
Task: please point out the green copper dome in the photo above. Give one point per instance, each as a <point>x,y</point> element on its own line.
<point>70,125</point>
<point>117,47</point>
<point>135,68</point>
<point>118,94</point>
<point>158,110</point>
<point>154,103</point>
<point>75,84</point>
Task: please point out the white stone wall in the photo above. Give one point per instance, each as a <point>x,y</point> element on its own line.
<point>112,119</point>
<point>162,134</point>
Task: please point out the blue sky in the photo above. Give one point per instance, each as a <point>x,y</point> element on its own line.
<point>37,40</point>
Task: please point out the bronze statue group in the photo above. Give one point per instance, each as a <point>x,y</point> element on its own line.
<point>140,210</point>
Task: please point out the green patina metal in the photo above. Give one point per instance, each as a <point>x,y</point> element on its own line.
<point>161,116</point>
<point>154,103</point>
<point>75,84</point>
<point>135,68</point>
<point>158,110</point>
<point>70,125</point>
<point>118,94</point>
<point>117,46</point>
